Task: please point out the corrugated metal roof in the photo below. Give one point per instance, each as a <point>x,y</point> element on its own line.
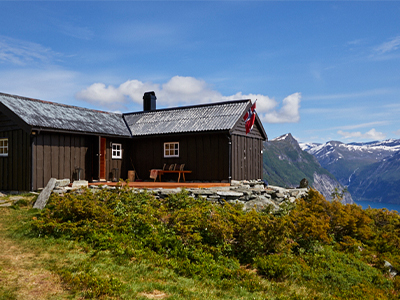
<point>37,113</point>
<point>209,117</point>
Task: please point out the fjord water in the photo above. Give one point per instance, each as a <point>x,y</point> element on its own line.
<point>389,206</point>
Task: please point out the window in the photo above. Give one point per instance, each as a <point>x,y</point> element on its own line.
<point>3,147</point>
<point>171,149</point>
<point>116,151</point>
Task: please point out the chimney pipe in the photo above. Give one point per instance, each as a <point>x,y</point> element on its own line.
<point>149,101</point>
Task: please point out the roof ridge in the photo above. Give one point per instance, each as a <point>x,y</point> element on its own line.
<point>187,106</point>
<point>58,104</point>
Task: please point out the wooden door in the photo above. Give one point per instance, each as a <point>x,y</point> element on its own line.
<point>102,158</point>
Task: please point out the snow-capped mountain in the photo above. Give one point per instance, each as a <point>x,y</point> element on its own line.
<point>360,166</point>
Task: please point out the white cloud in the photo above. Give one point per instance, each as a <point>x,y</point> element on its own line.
<point>397,132</point>
<point>370,135</point>
<point>289,112</point>
<point>19,52</point>
<point>390,46</point>
<point>181,90</point>
<point>98,93</point>
<point>363,125</point>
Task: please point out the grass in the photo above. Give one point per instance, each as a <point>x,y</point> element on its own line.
<point>124,246</point>
<point>41,268</point>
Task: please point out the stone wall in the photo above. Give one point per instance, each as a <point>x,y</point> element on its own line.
<point>252,194</point>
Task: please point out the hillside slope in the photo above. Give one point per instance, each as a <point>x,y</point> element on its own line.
<point>378,182</point>
<point>285,164</point>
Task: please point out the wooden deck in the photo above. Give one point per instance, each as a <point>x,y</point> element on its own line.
<point>165,185</point>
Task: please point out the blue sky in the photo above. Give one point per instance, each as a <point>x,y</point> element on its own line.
<point>320,70</point>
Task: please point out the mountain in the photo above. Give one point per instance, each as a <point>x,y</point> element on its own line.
<point>285,164</point>
<point>370,170</point>
<point>378,182</point>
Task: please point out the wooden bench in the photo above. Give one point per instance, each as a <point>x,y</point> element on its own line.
<point>174,168</point>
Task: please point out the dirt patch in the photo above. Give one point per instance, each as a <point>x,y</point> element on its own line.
<point>154,295</point>
<point>21,274</point>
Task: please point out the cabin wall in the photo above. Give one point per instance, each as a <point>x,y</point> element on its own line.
<point>247,158</point>
<point>206,155</point>
<point>15,169</point>
<point>122,164</point>
<point>57,155</point>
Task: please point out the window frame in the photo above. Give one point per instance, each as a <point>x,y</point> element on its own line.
<point>167,148</point>
<point>5,149</point>
<point>117,151</point>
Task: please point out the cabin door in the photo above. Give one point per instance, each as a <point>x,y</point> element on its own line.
<point>102,158</point>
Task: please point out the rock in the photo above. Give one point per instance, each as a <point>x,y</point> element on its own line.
<point>167,192</point>
<point>304,183</point>
<point>77,184</point>
<point>259,204</point>
<point>258,186</point>
<point>229,194</point>
<point>62,182</point>
<point>235,183</point>
<point>45,194</point>
<point>392,271</point>
<point>201,192</point>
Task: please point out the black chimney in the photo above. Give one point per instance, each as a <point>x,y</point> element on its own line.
<point>149,101</point>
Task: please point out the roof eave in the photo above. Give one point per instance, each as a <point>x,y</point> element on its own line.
<point>14,117</point>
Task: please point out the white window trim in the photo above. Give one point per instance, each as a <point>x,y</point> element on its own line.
<point>167,151</point>
<point>117,152</point>
<point>4,147</point>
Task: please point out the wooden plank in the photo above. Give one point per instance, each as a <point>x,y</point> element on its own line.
<point>208,153</point>
<point>46,157</point>
<point>15,160</point>
<point>5,160</point>
<point>45,194</point>
<point>82,157</point>
<point>67,157</point>
<point>55,159</point>
<point>88,159</point>
<point>39,161</point>
<point>61,157</point>
<point>28,162</point>
<point>103,153</point>
<point>233,157</point>
<point>200,158</point>
<point>213,161</point>
<point>2,173</point>
<point>74,158</point>
<point>191,163</point>
<point>20,167</point>
<point>223,158</point>
<point>34,163</point>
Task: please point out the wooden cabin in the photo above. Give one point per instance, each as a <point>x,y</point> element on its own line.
<point>40,140</point>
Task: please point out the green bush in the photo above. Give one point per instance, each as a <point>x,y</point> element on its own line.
<point>324,246</point>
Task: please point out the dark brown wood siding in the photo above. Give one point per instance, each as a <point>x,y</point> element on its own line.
<point>246,158</point>
<point>206,155</point>
<point>57,155</point>
<point>15,169</point>
<point>117,166</point>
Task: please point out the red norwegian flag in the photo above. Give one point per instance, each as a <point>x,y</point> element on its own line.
<point>250,117</point>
